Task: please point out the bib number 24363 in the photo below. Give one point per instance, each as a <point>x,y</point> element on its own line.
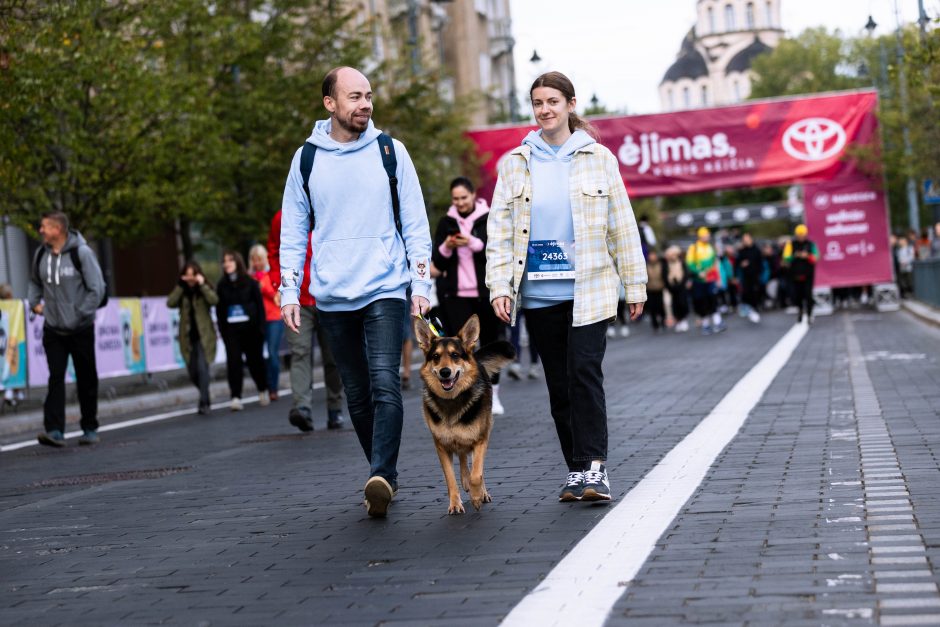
<point>549,260</point>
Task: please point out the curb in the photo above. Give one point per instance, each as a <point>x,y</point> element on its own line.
<point>922,311</point>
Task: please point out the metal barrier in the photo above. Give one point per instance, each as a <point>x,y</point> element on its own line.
<point>927,281</point>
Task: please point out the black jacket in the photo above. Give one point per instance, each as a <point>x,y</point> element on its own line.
<point>447,286</point>
<point>755,266</point>
<point>244,291</point>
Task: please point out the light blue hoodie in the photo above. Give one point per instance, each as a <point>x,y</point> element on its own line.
<point>551,211</point>
<point>358,256</point>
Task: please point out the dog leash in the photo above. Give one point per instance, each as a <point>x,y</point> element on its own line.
<point>434,324</point>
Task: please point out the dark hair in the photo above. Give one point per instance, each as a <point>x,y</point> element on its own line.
<point>462,181</point>
<point>57,216</point>
<point>329,82</point>
<point>240,269</point>
<point>193,265</point>
<point>557,80</point>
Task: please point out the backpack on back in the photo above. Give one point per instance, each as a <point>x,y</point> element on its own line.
<point>389,161</point>
<point>77,264</point>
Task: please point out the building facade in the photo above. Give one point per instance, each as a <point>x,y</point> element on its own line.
<point>713,66</point>
<point>471,40</point>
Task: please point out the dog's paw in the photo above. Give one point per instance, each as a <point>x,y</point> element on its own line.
<point>465,482</point>
<point>456,508</point>
<point>486,497</point>
<point>477,503</point>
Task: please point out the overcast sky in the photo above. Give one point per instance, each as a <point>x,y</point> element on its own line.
<point>620,49</point>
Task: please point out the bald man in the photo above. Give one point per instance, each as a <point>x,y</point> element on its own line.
<point>364,264</point>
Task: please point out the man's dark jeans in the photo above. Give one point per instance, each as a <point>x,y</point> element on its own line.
<point>81,346</point>
<point>367,346</point>
<point>572,358</point>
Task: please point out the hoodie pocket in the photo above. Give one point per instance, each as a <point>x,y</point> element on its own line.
<point>351,269</point>
<point>595,197</point>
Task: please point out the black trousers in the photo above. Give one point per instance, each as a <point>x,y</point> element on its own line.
<point>458,310</point>
<point>80,345</point>
<point>751,291</point>
<point>656,308</point>
<point>704,301</point>
<point>803,297</point>
<point>244,339</point>
<point>198,370</point>
<point>572,358</point>
<point>680,301</point>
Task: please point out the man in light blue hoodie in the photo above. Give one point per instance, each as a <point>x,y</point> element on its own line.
<point>360,272</point>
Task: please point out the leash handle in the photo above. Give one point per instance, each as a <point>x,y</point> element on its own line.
<point>434,324</point>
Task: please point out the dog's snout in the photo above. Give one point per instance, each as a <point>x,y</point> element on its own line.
<point>445,373</point>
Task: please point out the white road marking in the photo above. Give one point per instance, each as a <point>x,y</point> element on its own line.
<point>143,421</point>
<point>156,418</point>
<point>585,585</point>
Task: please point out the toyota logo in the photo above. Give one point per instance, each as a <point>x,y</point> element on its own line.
<point>814,139</point>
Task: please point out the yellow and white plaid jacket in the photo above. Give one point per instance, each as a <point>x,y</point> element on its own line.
<point>607,240</point>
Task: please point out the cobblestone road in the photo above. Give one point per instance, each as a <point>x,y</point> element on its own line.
<point>824,510</point>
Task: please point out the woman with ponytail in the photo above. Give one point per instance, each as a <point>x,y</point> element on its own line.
<point>562,238</point>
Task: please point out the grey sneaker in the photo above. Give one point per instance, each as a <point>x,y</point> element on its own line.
<point>52,438</point>
<point>300,419</point>
<point>573,488</point>
<point>596,483</point>
<point>378,496</point>
<point>89,438</point>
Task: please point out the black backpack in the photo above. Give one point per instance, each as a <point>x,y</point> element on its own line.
<point>389,161</point>
<point>77,264</point>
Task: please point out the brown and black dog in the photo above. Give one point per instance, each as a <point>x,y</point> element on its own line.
<point>458,403</point>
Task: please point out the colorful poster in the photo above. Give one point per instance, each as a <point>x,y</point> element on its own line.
<point>161,326</point>
<point>848,220</point>
<point>13,368</point>
<point>119,338</point>
<point>753,144</point>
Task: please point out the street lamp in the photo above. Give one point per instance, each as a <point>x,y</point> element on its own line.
<point>535,57</point>
<point>871,25</point>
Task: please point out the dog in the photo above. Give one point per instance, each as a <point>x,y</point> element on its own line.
<point>458,403</point>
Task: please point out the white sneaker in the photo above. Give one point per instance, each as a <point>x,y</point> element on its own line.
<point>264,399</point>
<point>624,331</point>
<point>682,327</point>
<point>236,404</point>
<point>611,332</point>
<point>753,316</point>
<point>514,371</point>
<point>534,371</point>
<point>498,409</point>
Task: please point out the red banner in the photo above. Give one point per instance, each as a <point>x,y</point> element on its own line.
<point>848,220</point>
<point>756,144</point>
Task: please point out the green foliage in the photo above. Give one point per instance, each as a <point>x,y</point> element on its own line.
<point>815,61</point>
<point>132,116</point>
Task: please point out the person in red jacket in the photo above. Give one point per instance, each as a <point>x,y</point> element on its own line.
<point>301,346</point>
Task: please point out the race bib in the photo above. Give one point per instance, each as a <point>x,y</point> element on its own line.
<point>549,260</point>
<point>236,313</point>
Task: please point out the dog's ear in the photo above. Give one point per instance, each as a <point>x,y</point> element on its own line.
<point>494,357</point>
<point>423,334</point>
<point>470,333</point>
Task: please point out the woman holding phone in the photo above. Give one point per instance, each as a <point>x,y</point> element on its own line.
<point>562,239</point>
<point>459,253</point>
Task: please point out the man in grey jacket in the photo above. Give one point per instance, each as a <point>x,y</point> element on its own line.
<point>66,287</point>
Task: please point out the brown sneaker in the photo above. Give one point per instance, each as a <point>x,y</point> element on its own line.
<point>378,496</point>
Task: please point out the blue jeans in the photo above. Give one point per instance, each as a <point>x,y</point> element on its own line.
<point>367,346</point>
<point>273,332</point>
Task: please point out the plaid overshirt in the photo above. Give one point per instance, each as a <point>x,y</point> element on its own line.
<point>607,240</point>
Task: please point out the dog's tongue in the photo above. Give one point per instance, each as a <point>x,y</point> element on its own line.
<point>447,384</point>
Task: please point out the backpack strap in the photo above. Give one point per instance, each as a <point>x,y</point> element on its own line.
<point>307,154</point>
<point>37,259</point>
<point>390,162</point>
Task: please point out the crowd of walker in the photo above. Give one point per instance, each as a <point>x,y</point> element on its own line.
<point>341,271</point>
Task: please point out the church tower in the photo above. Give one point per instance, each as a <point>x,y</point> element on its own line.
<point>714,62</point>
